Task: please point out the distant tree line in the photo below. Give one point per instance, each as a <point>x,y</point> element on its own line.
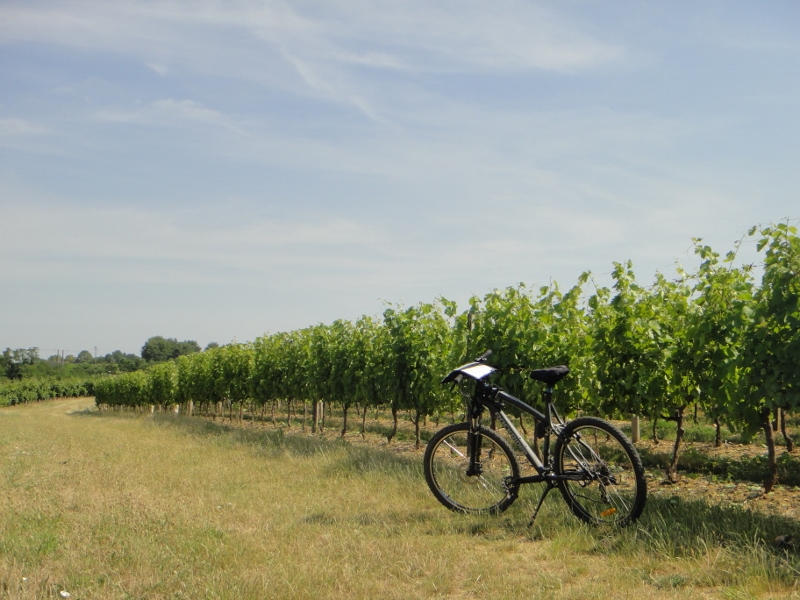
<point>159,349</point>
<point>25,363</point>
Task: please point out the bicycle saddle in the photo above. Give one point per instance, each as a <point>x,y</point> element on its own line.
<point>550,375</point>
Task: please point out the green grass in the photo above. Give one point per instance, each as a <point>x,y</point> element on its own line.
<point>133,506</point>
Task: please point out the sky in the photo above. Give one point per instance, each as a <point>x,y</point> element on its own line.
<point>218,170</point>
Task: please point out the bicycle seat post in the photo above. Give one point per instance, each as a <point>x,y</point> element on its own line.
<point>543,430</point>
<point>547,398</point>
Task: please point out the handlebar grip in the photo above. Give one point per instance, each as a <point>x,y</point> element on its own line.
<point>484,357</point>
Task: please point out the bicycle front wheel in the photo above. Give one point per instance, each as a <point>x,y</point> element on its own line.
<point>603,474</point>
<point>482,485</point>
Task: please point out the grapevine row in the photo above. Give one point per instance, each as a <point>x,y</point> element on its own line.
<point>34,390</point>
<point>711,338</point>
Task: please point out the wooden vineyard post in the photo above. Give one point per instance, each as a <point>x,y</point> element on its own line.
<point>635,431</point>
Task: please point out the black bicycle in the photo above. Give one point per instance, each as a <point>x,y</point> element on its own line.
<point>472,469</point>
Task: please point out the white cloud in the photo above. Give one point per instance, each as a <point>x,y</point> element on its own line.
<point>20,127</point>
<point>158,68</point>
<point>168,246</point>
<point>467,35</point>
<point>326,50</point>
<point>414,34</point>
<point>169,112</point>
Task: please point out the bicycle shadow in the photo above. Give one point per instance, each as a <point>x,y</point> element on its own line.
<point>679,525</point>
<point>669,526</point>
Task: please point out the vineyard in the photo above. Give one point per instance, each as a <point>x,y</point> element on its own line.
<point>712,340</point>
<point>36,389</point>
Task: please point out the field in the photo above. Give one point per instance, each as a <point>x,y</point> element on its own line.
<point>127,505</point>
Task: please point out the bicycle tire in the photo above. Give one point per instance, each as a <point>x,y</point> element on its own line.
<point>446,463</point>
<point>613,488</point>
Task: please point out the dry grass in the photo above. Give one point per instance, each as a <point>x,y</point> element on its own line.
<point>124,506</point>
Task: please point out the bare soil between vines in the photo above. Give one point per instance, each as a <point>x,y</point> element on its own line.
<point>782,500</point>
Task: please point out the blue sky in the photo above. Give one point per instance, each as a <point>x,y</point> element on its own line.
<point>215,170</point>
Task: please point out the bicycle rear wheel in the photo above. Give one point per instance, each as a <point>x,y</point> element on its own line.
<point>607,483</point>
<point>447,467</point>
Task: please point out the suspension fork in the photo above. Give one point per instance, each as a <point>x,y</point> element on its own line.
<point>474,440</point>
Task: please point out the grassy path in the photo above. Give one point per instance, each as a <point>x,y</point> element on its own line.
<point>124,506</point>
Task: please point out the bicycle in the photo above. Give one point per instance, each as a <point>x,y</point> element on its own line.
<point>472,469</point>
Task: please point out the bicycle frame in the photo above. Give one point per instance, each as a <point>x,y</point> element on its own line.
<point>487,396</point>
<point>496,404</point>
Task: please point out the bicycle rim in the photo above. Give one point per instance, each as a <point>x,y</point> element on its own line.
<point>447,466</point>
<point>612,487</point>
